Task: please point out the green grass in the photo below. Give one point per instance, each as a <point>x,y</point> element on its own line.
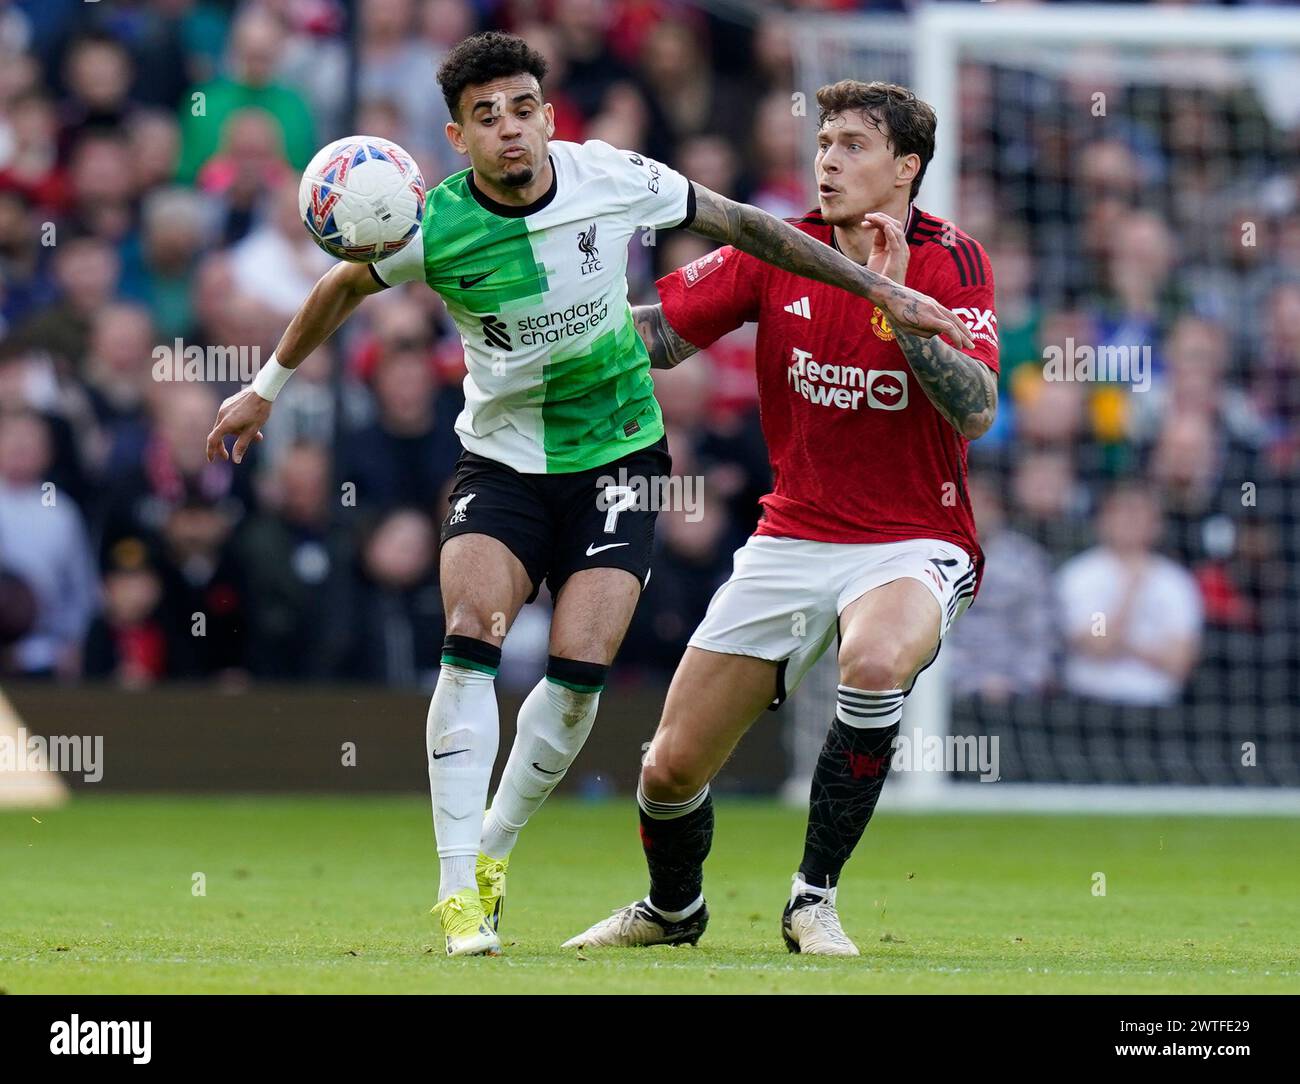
<point>332,895</point>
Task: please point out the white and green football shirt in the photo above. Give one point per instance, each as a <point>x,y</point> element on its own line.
<point>558,378</point>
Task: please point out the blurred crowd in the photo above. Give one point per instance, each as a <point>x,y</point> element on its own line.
<point>149,155</point>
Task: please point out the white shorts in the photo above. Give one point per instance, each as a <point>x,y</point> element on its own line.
<point>785,595</point>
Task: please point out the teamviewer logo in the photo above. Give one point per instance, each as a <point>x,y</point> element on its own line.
<point>886,389</point>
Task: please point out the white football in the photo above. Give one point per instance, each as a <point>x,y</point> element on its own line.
<point>361,198</point>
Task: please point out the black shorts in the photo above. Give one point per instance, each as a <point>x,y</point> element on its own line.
<point>559,524</point>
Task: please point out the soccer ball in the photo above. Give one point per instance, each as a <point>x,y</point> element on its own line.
<point>361,198</point>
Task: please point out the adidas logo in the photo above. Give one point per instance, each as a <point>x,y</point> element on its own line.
<point>800,308</point>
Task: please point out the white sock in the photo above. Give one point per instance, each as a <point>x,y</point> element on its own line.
<point>868,709</point>
<point>554,721</point>
<point>676,916</point>
<point>456,874</point>
<point>800,887</point>
<point>461,736</point>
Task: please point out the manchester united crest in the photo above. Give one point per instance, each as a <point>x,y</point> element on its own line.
<point>880,325</point>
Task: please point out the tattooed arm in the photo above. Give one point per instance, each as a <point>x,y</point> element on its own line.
<point>767,238</point>
<point>665,346</point>
<point>962,388</point>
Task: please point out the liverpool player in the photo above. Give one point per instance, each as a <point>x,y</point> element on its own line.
<point>868,532</point>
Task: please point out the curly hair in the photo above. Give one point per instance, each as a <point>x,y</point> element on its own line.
<point>900,116</point>
<point>484,57</point>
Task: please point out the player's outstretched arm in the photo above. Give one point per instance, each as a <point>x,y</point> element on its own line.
<point>767,238</point>
<point>665,347</point>
<point>331,301</point>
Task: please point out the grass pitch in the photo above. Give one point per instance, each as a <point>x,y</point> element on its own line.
<point>331,895</point>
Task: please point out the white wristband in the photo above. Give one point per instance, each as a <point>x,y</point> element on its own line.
<point>270,378</point>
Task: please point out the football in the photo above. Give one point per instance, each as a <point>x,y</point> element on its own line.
<point>361,198</point>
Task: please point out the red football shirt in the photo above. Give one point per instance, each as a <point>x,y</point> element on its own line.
<point>859,453</point>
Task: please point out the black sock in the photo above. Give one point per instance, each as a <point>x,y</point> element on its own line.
<point>846,784</point>
<point>675,849</point>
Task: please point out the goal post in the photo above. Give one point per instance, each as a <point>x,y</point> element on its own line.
<point>944,32</point>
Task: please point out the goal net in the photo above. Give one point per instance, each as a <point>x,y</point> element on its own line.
<point>1132,173</point>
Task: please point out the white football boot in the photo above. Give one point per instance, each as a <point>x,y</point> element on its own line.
<point>811,925</point>
<point>638,924</point>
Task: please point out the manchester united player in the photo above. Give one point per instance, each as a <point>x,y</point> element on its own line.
<point>868,531</point>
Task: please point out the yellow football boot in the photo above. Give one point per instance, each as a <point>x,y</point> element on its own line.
<point>465,926</point>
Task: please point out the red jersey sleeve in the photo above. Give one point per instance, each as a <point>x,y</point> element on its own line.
<point>962,280</point>
<point>712,296</point>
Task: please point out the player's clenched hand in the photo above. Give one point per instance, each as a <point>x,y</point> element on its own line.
<point>920,315</point>
<point>241,416</point>
<point>889,251</point>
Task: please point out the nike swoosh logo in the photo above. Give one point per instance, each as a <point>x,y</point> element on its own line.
<point>541,769</point>
<point>593,549</point>
<point>439,756</point>
<point>466,283</point>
